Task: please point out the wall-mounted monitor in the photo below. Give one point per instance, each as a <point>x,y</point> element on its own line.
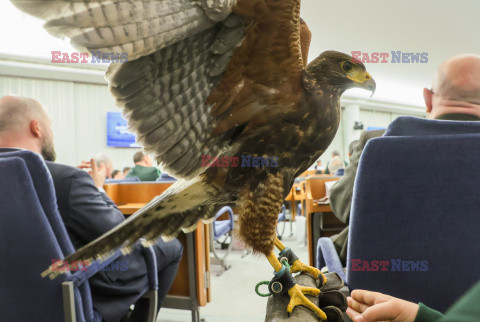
<point>118,135</point>
<point>376,128</point>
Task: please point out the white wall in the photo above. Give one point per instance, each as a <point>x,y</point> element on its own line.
<point>78,111</point>
<point>370,114</point>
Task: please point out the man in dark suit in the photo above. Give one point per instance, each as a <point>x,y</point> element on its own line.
<point>87,213</point>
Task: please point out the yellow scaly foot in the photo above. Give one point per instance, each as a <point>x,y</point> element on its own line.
<point>296,291</point>
<point>299,266</point>
<point>296,264</point>
<point>297,297</point>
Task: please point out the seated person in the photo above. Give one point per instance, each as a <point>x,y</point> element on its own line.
<point>144,169</point>
<point>366,306</point>
<point>87,213</point>
<point>335,165</point>
<point>335,154</point>
<point>319,169</point>
<point>117,175</point>
<point>455,95</point>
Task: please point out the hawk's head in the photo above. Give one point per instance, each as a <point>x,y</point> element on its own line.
<point>336,71</point>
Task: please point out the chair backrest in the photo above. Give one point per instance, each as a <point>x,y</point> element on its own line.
<point>43,238</point>
<point>27,246</point>
<point>414,226</point>
<point>415,126</point>
<point>127,179</point>
<point>43,186</point>
<point>165,177</point>
<point>315,186</point>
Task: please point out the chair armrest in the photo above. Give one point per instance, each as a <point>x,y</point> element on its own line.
<point>152,275</point>
<point>224,210</point>
<point>283,215</point>
<point>84,273</point>
<point>327,254</point>
<point>151,260</point>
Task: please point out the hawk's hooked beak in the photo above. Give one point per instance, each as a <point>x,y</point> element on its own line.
<point>364,80</point>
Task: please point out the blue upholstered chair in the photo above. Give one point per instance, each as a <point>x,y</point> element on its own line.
<point>124,180</point>
<point>282,218</point>
<point>165,178</point>
<point>219,229</point>
<point>31,236</point>
<point>414,126</point>
<point>415,220</point>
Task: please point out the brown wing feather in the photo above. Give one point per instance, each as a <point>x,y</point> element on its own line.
<point>263,77</point>
<point>305,39</point>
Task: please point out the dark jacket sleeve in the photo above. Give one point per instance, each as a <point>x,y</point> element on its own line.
<point>86,212</point>
<point>92,213</point>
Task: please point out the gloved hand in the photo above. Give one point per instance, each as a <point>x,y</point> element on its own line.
<point>331,300</point>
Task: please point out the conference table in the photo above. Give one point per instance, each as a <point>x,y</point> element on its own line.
<point>191,287</point>
<point>321,221</point>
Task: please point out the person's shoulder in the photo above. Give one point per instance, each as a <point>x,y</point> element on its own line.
<point>132,172</point>
<point>64,171</point>
<point>154,169</point>
<point>367,135</point>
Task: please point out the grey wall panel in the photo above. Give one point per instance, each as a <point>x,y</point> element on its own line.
<point>57,97</point>
<point>78,112</point>
<point>92,102</point>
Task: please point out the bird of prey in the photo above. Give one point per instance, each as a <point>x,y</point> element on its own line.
<point>218,78</point>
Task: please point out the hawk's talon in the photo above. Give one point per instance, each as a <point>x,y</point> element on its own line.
<point>297,297</point>
<point>298,266</point>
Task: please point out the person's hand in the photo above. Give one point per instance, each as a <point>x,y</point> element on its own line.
<point>84,165</point>
<point>372,306</point>
<point>98,173</point>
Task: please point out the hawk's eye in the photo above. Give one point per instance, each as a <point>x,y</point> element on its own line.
<point>347,66</point>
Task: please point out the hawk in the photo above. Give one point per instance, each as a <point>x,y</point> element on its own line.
<point>213,78</point>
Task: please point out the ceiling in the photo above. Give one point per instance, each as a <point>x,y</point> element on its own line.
<point>439,28</point>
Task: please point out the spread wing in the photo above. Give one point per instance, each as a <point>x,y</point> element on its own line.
<point>201,74</point>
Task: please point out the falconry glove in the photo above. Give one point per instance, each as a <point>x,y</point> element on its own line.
<point>331,300</point>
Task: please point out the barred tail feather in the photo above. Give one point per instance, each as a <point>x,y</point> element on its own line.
<point>181,206</point>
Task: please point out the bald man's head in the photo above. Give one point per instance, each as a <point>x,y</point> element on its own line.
<point>458,78</point>
<point>24,123</point>
<point>455,87</point>
<point>16,113</point>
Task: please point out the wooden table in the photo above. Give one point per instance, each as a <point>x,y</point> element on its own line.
<point>191,287</point>
<point>130,208</point>
<point>321,221</point>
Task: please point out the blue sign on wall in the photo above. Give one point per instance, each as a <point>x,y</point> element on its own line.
<point>375,128</point>
<point>118,135</point>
